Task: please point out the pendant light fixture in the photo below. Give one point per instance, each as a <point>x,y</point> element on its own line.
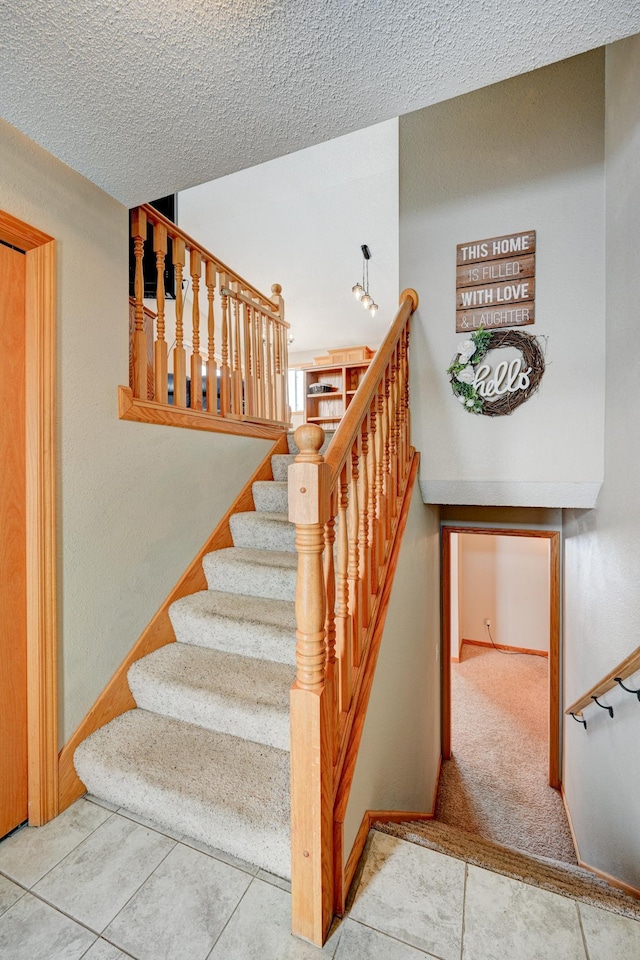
<point>361,290</point>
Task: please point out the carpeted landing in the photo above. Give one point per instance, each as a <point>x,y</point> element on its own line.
<point>496,784</point>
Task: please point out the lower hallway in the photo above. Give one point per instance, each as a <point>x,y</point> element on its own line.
<point>100,884</point>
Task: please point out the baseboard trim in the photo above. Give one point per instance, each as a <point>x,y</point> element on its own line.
<point>116,698</point>
<point>501,646</point>
<point>570,822</point>
<point>436,787</point>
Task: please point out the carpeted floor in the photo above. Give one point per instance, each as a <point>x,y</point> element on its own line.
<point>495,785</point>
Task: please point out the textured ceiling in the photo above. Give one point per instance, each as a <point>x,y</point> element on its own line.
<point>146,97</point>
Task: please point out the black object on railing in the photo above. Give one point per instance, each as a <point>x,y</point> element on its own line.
<point>578,720</point>
<point>628,689</point>
<point>604,706</point>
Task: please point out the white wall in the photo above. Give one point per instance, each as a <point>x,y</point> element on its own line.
<point>602,552</point>
<point>505,579</point>
<point>520,155</point>
<point>398,760</point>
<point>135,502</point>
<point>299,221</point>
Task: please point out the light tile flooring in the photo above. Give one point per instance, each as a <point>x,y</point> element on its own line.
<point>102,884</point>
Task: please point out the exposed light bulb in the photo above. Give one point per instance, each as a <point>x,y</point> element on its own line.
<point>366,301</point>
<point>357,291</point>
<point>373,309</point>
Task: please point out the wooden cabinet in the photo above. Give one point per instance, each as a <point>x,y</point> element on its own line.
<point>327,409</point>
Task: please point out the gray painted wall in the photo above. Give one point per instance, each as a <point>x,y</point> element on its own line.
<point>602,547</point>
<point>398,760</point>
<point>135,502</point>
<point>526,154</point>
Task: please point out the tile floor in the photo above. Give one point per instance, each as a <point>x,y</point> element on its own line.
<point>102,884</point>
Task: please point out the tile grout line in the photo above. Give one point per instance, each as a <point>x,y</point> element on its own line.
<point>390,936</point>
<point>464,907</point>
<point>584,939</point>
<point>232,914</point>
<point>80,842</point>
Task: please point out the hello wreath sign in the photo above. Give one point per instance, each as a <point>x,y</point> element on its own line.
<point>496,391</point>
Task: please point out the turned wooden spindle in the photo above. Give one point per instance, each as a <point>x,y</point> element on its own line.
<point>380,476</point>
<point>373,501</point>
<point>248,361</point>
<point>343,620</point>
<point>179,355</point>
<point>280,411</point>
<point>196,360</point>
<point>160,345</point>
<point>363,535</point>
<point>353,519</point>
<point>308,482</point>
<point>236,374</point>
<point>225,398</point>
<point>212,381</point>
<point>330,613</point>
<point>139,349</point>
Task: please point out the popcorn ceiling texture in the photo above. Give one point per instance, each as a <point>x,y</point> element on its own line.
<point>148,98</point>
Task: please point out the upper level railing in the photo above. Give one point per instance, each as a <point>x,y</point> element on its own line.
<point>236,366</point>
<point>354,494</point>
<point>615,677</point>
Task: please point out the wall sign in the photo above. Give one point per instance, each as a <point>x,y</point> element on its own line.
<point>495,282</point>
<point>485,384</point>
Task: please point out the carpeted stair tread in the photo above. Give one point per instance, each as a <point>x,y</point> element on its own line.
<point>251,626</point>
<point>259,573</point>
<point>271,496</point>
<point>242,696</point>
<point>280,463</point>
<point>227,792</point>
<point>554,875</point>
<point>263,531</point>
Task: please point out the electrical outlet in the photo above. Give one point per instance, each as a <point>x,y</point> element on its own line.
<point>487,622</point>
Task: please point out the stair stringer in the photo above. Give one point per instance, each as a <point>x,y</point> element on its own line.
<point>116,698</point>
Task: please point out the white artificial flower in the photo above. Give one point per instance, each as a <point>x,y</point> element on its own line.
<point>470,403</point>
<point>467,375</point>
<point>466,350</point>
<point>460,399</point>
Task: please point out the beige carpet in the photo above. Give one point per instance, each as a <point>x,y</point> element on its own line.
<point>495,785</point>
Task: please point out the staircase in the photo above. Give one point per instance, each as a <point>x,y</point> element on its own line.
<point>206,751</point>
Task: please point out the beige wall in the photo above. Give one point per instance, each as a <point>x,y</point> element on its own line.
<point>398,759</point>
<point>520,155</point>
<point>506,580</point>
<point>135,502</point>
<point>602,552</point>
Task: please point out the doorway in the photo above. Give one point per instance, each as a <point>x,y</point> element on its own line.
<point>28,668</point>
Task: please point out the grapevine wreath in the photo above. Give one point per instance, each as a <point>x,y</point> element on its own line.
<point>464,366</point>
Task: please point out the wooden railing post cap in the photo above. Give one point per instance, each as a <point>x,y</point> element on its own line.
<point>276,289</point>
<point>413,296</point>
<point>309,437</point>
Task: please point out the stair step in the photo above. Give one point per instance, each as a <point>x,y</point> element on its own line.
<point>264,531</point>
<point>243,696</point>
<point>271,496</point>
<point>250,626</point>
<point>259,573</point>
<point>224,791</point>
<point>280,463</point>
<point>293,446</point>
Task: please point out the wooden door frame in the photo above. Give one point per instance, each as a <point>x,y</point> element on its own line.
<point>42,666</point>
<point>554,635</point>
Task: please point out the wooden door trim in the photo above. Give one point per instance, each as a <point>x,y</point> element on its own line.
<point>42,666</point>
<point>554,636</point>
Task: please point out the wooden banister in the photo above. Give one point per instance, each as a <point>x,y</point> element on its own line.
<point>247,381</point>
<point>625,669</point>
<point>358,489</point>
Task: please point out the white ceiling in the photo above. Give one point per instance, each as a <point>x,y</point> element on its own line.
<point>145,97</point>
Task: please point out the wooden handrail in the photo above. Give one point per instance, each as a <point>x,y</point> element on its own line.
<point>355,496</point>
<point>625,669</point>
<point>232,352</point>
<point>339,447</point>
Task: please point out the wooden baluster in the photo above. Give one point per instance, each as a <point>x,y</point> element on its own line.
<point>139,348</point>
<point>373,500</point>
<point>179,355</point>
<point>380,512</point>
<point>405,399</point>
<point>344,646</point>
<point>330,616</point>
<point>311,698</point>
<point>236,382</point>
<point>196,360</point>
<point>284,380</point>
<point>263,366</point>
<point>354,555</point>
<point>248,361</point>
<point>399,416</point>
<point>269,355</point>
<point>160,346</point>
<point>212,379</point>
<point>387,455</point>
<point>278,409</point>
<point>363,501</point>
<point>225,398</point>
<point>393,433</point>
<point>257,367</point>
<point>281,363</point>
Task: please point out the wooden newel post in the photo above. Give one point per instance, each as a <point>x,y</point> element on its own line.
<point>139,234</point>
<point>311,715</point>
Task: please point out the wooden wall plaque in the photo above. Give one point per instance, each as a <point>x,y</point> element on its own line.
<point>495,282</point>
